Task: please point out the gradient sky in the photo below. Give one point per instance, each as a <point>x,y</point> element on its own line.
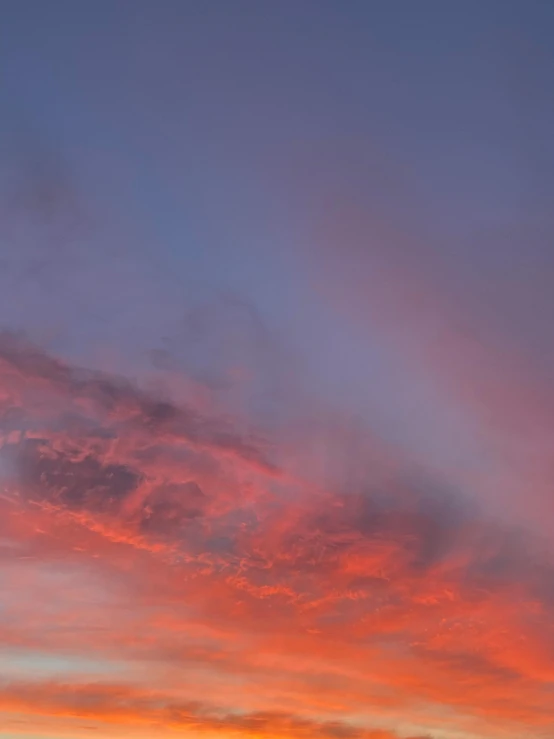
<point>276,369</point>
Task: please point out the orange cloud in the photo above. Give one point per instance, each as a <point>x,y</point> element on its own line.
<point>116,704</point>
<point>193,573</point>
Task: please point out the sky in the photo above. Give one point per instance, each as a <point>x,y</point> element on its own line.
<point>276,369</point>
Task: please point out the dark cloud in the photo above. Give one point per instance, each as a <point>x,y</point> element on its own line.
<point>43,220</point>
<point>34,372</point>
<point>75,483</point>
<point>169,508</point>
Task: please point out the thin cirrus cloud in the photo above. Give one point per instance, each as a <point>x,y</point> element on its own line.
<point>455,315</point>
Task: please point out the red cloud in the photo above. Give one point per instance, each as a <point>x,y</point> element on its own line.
<point>148,538</point>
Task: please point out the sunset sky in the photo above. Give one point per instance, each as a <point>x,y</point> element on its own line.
<point>276,369</point>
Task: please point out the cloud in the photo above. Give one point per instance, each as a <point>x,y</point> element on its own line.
<point>121,704</point>
<point>149,535</point>
<point>116,400</point>
<point>459,317</point>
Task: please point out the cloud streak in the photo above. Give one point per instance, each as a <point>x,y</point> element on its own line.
<point>121,705</point>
